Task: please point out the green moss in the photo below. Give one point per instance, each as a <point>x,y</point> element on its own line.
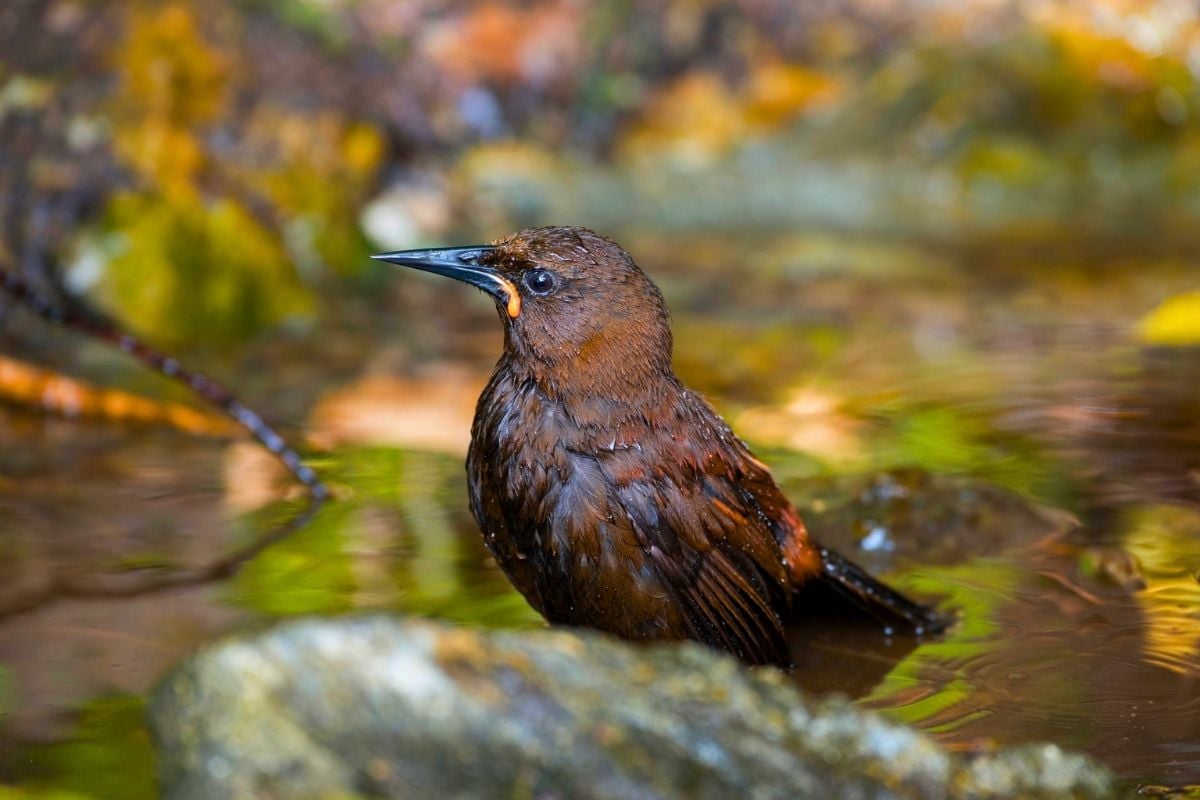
<point>185,271</point>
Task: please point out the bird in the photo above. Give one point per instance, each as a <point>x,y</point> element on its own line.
<point>612,496</point>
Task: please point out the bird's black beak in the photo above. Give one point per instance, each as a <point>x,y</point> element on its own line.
<point>463,264</point>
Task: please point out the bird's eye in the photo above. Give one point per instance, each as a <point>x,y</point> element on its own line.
<point>540,281</point>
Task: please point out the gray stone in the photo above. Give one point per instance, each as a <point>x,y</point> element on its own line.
<point>386,707</point>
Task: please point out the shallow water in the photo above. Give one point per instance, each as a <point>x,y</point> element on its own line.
<point>968,387</point>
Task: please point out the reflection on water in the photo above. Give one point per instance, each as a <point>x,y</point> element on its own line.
<point>974,386</point>
<point>1061,660</point>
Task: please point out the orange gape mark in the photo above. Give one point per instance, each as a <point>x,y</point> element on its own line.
<point>512,304</point>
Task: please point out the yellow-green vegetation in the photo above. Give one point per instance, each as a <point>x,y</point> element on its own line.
<point>14,793</point>
<point>1059,78</point>
<point>109,757</point>
<point>753,356</point>
<point>310,572</point>
<point>978,591</point>
<point>187,271</point>
<point>400,539</point>
<point>206,249</point>
<point>951,440</point>
<point>173,82</point>
<point>322,169</point>
<point>186,266</point>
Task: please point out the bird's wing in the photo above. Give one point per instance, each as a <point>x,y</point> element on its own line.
<point>713,554</point>
<point>726,606</point>
<point>801,556</point>
<point>727,461</point>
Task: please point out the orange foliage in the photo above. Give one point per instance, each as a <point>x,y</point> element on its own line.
<point>29,386</point>
<point>693,120</point>
<point>1106,60</point>
<point>777,92</point>
<point>431,412</point>
<point>699,117</point>
<point>508,43</point>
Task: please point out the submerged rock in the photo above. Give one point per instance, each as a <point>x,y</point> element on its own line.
<point>892,519</point>
<point>383,707</point>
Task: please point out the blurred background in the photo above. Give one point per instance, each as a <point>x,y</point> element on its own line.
<point>935,261</point>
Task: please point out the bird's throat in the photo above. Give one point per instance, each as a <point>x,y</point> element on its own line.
<point>592,388</point>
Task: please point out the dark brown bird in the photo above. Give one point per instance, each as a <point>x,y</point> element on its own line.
<point>611,495</point>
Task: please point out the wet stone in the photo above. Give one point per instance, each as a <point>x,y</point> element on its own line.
<point>386,707</point>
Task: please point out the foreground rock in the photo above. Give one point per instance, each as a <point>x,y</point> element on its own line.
<point>380,707</point>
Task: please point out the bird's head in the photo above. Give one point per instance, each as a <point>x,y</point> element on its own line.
<point>567,296</point>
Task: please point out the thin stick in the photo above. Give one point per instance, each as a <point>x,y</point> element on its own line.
<point>207,388</point>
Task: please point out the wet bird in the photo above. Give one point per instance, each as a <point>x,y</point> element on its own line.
<point>611,495</point>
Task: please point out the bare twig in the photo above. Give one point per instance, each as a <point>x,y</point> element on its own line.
<point>205,387</point>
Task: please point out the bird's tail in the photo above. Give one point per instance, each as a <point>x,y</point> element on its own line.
<point>870,596</point>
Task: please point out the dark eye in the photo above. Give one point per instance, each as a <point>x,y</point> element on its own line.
<point>540,281</point>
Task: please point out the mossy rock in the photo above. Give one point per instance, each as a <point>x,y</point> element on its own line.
<point>386,707</point>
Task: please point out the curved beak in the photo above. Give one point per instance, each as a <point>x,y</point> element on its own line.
<point>462,264</point>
